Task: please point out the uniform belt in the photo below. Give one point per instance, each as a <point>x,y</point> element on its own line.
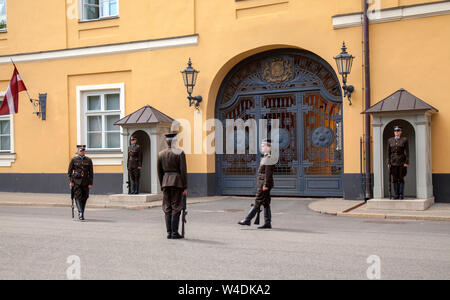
<point>171,172</point>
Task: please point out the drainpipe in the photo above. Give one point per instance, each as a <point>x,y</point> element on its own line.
<point>367,100</point>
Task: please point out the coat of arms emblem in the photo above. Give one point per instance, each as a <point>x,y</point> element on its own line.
<point>277,70</point>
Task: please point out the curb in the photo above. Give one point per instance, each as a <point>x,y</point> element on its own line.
<point>394,217</point>
<point>94,206</point>
<point>373,215</point>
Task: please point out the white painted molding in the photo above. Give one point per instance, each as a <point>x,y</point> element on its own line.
<point>7,160</point>
<point>393,14</point>
<point>149,45</point>
<point>107,159</point>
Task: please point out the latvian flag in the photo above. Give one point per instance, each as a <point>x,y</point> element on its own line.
<point>10,103</point>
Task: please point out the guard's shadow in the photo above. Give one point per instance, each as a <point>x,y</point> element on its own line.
<point>206,242</point>
<point>282,230</point>
<point>95,221</point>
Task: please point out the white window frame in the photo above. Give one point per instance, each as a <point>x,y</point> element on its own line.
<point>100,7</point>
<point>103,113</point>
<point>102,156</point>
<point>9,118</point>
<point>6,18</point>
<point>7,157</point>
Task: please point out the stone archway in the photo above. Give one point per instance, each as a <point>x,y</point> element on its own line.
<point>302,91</point>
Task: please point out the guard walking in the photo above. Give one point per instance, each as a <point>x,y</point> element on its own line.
<point>81,178</point>
<point>134,165</point>
<point>172,175</point>
<point>398,160</point>
<point>264,186</point>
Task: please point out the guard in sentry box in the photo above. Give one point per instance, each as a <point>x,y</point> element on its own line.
<point>398,160</point>
<point>134,165</point>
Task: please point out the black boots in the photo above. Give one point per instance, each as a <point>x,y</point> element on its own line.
<point>267,219</point>
<point>175,223</point>
<point>134,188</point>
<point>396,191</point>
<point>80,208</point>
<point>248,219</point>
<point>401,188</point>
<point>253,211</point>
<point>169,226</point>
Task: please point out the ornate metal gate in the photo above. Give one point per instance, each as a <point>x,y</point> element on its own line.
<point>301,91</point>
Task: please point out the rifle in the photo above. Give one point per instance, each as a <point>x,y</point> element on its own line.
<point>183,215</point>
<point>258,216</point>
<point>129,183</point>
<point>390,183</point>
<point>72,196</point>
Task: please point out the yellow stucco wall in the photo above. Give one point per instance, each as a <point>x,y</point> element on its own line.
<point>410,54</point>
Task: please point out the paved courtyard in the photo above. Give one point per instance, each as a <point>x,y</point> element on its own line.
<point>35,243</point>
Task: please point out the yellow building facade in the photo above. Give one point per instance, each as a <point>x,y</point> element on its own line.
<point>99,61</point>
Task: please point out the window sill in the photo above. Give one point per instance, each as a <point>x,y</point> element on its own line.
<point>7,158</point>
<point>105,158</point>
<point>101,19</point>
<point>106,151</point>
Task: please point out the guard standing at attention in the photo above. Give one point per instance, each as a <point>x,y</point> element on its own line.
<point>172,175</point>
<point>398,160</point>
<point>264,186</point>
<point>134,165</point>
<point>81,178</point>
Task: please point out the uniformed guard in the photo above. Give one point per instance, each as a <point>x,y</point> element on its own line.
<point>264,186</point>
<point>172,175</point>
<point>398,159</point>
<point>134,165</point>
<point>81,178</point>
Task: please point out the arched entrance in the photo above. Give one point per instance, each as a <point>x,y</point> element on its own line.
<point>143,140</point>
<point>410,178</point>
<point>302,91</point>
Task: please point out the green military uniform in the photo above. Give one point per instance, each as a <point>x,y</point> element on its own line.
<point>172,174</point>
<point>398,156</point>
<point>134,166</point>
<point>81,175</point>
<point>264,179</point>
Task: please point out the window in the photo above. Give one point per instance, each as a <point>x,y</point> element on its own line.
<point>2,15</point>
<point>99,9</point>
<point>102,110</point>
<point>5,132</point>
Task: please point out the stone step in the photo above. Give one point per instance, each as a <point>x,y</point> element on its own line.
<point>406,204</point>
<point>126,199</point>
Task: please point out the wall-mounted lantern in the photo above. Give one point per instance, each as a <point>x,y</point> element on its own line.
<point>344,62</point>
<point>190,79</point>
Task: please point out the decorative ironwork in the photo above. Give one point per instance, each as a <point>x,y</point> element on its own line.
<point>239,164</point>
<point>278,70</point>
<point>320,125</point>
<point>283,108</point>
<point>302,92</point>
<point>322,137</point>
<point>274,73</point>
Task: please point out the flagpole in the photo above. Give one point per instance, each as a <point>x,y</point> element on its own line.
<point>28,94</point>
